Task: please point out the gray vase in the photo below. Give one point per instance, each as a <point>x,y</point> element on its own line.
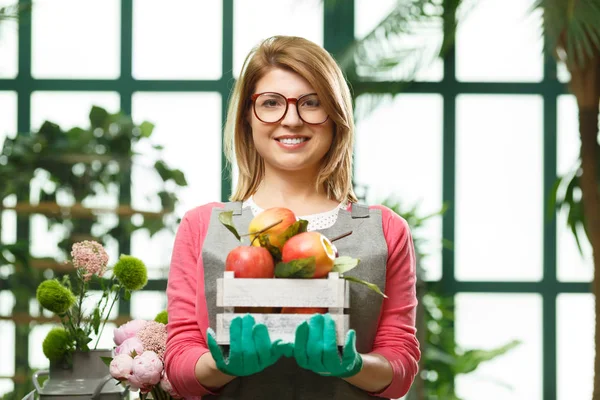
<point>89,378</point>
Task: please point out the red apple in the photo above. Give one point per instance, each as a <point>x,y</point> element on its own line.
<point>311,244</point>
<point>269,217</point>
<point>250,262</point>
<point>304,310</point>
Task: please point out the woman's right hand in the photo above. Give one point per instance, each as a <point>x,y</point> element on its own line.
<point>250,349</point>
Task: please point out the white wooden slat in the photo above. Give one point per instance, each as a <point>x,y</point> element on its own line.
<point>330,292</point>
<point>281,326</point>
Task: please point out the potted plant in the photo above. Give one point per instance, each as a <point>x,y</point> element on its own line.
<point>76,366</point>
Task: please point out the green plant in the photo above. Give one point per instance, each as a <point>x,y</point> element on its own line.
<point>59,174</point>
<point>66,299</point>
<point>442,359</point>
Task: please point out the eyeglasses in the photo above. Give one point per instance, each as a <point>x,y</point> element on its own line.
<point>271,108</point>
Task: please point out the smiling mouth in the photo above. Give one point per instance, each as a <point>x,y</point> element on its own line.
<point>292,140</point>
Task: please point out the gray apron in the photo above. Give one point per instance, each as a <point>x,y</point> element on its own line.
<point>284,379</point>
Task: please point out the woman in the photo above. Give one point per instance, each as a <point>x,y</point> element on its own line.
<point>290,129</point>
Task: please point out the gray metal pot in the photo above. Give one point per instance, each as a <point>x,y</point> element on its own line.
<point>88,379</point>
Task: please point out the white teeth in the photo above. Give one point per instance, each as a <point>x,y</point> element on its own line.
<point>293,141</point>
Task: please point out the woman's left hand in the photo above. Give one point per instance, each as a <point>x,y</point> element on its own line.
<point>315,348</point>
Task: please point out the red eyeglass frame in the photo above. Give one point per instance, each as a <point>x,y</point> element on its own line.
<point>288,100</point>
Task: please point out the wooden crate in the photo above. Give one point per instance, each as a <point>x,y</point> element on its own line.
<point>332,293</point>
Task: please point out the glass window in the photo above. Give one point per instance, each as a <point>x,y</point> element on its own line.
<point>422,63</point>
<point>499,176</point>
<point>499,40</point>
<point>7,336</point>
<point>76,39</point>
<point>575,345</point>
<point>37,359</point>
<point>8,122</point>
<point>9,44</point>
<point>69,109</point>
<point>571,264</point>
<point>487,321</point>
<point>147,304</point>
<point>7,302</point>
<point>177,47</point>
<point>188,125</point>
<point>6,386</point>
<point>399,154</point>
<point>256,20</point>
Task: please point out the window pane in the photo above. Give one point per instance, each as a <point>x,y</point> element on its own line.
<point>147,304</point>
<point>186,47</point>
<point>571,264</point>
<point>38,333</point>
<point>422,63</point>
<point>575,346</point>
<point>499,197</point>
<point>487,321</point>
<point>8,122</point>
<point>69,109</point>
<point>7,338</point>
<point>259,19</point>
<point>7,302</point>
<point>6,386</point>
<point>499,40</point>
<point>189,127</point>
<point>9,44</point>
<point>388,153</point>
<point>76,39</point>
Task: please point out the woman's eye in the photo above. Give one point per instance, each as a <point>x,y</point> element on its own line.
<point>270,103</point>
<point>311,103</point>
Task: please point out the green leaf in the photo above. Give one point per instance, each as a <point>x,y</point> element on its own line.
<point>162,169</point>
<point>264,241</point>
<point>226,218</point>
<point>300,268</point>
<point>344,264</point>
<point>146,129</point>
<point>471,359</point>
<point>297,227</point>
<point>371,286</point>
<point>99,117</point>
<point>106,360</point>
<point>127,295</point>
<point>179,177</point>
<point>96,320</point>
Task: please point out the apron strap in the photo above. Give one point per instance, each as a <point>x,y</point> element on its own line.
<point>235,206</point>
<point>360,211</point>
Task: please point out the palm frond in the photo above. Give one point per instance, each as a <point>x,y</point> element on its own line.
<point>571,29</point>
<point>409,37</point>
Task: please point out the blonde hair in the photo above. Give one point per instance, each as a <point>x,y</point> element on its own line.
<point>319,68</point>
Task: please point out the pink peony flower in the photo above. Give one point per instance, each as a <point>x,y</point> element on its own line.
<point>146,371</point>
<point>128,330</point>
<point>165,385</point>
<point>129,345</point>
<point>154,337</point>
<point>90,257</point>
<point>121,367</point>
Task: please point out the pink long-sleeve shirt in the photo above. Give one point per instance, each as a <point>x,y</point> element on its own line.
<point>188,315</point>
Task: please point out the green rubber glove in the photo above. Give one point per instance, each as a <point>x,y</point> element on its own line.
<point>315,348</point>
<point>250,349</point>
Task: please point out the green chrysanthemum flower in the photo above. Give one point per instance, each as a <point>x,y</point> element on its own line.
<point>162,317</point>
<point>54,297</point>
<point>56,344</point>
<point>131,272</point>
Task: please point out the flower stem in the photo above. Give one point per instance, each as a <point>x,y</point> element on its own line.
<point>104,308</point>
<point>106,318</point>
<point>80,303</point>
